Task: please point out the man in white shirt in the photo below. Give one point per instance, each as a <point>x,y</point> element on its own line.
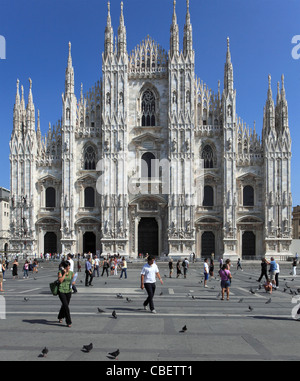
<point>148,279</point>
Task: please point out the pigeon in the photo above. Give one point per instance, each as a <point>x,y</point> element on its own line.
<point>87,348</point>
<point>44,352</point>
<point>120,296</point>
<point>286,285</point>
<point>114,354</point>
<point>252,291</point>
<point>99,310</point>
<point>268,301</point>
<point>250,308</point>
<point>128,300</point>
<point>240,301</point>
<point>26,299</point>
<point>114,315</point>
<point>193,297</point>
<point>184,329</point>
<point>161,293</point>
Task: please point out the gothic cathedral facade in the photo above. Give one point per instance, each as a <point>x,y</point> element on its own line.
<point>150,160</point>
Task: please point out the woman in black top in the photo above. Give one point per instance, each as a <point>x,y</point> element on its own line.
<point>264,269</point>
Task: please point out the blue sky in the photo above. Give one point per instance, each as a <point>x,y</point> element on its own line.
<point>37,33</point>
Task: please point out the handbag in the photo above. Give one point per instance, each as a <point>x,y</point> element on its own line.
<point>54,286</point>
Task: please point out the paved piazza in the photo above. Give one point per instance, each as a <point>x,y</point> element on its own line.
<point>268,332</point>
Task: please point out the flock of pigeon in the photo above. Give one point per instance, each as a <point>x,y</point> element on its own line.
<point>114,355</point>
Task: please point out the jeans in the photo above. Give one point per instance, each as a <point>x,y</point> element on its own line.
<point>25,274</point>
<point>124,271</point>
<point>64,310</point>
<point>150,288</point>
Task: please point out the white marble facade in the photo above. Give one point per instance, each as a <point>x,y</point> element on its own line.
<point>151,160</point>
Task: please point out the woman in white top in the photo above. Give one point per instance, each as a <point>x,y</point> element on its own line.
<point>148,278</point>
<point>1,277</point>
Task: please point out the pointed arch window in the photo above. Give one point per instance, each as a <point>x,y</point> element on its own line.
<point>148,109</point>
<point>208,157</point>
<point>89,158</point>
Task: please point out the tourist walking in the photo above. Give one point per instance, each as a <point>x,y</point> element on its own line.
<point>239,264</point>
<point>211,267</point>
<point>15,268</point>
<point>105,266</point>
<point>277,276</point>
<point>123,268</point>
<point>294,266</point>
<point>225,276</point>
<point>170,268</point>
<point>70,260</point>
<point>148,281</point>
<point>88,272</point>
<point>1,277</point>
<point>25,269</point>
<point>206,272</point>
<point>185,265</point>
<point>96,266</point>
<point>273,271</point>
<point>178,269</point>
<point>65,276</point>
<point>264,269</point>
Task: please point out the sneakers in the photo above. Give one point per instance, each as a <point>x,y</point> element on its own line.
<point>153,312</point>
<point>145,308</point>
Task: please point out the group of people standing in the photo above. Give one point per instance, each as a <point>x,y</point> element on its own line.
<point>93,265</point>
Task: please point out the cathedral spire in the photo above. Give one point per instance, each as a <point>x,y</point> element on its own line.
<point>16,118</point>
<point>122,45</point>
<point>174,33</point>
<point>109,34</point>
<point>269,111</point>
<point>228,72</point>
<point>188,33</point>
<point>69,81</point>
<point>17,102</point>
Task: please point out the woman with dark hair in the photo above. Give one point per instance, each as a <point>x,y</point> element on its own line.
<point>225,276</point>
<point>64,292</point>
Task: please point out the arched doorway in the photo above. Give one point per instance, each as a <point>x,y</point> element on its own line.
<point>207,244</point>
<point>148,236</point>
<point>248,244</point>
<point>89,242</point>
<point>50,243</point>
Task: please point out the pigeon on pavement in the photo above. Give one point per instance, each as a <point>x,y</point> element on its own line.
<point>114,315</point>
<point>87,348</point>
<point>44,352</point>
<point>184,329</point>
<point>114,354</point>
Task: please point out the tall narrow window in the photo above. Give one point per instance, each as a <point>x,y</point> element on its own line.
<point>248,196</point>
<point>148,165</point>
<point>50,197</point>
<point>148,109</point>
<point>89,158</point>
<point>89,197</point>
<point>208,157</point>
<point>208,199</point>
